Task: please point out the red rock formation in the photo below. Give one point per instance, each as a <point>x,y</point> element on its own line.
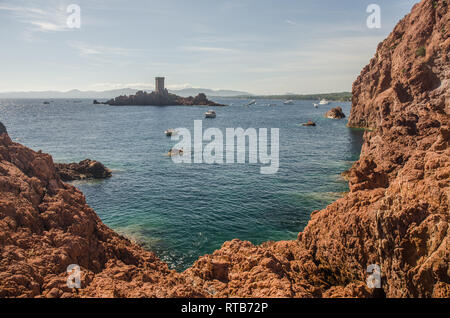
<point>46,225</point>
<point>86,169</point>
<point>335,113</point>
<point>396,214</point>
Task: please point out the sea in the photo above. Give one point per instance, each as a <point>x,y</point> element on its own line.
<point>183,211</point>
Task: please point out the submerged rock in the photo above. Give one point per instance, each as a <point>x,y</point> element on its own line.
<point>335,113</point>
<point>86,169</point>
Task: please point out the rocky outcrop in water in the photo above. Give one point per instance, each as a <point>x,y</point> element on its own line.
<point>335,113</point>
<point>86,169</point>
<point>163,98</point>
<point>396,214</point>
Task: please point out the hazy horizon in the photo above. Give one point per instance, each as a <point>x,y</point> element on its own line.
<point>263,48</point>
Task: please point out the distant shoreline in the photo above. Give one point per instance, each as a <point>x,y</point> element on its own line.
<point>338,97</point>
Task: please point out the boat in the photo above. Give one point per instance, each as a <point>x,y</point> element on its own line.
<point>170,132</point>
<point>289,102</point>
<point>175,152</point>
<point>46,103</point>
<point>324,102</point>
<point>252,102</point>
<point>316,105</point>
<point>310,123</point>
<point>210,114</point>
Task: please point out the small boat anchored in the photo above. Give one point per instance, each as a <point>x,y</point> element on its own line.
<point>210,114</point>
<point>252,102</point>
<point>175,152</point>
<point>170,132</point>
<point>324,102</point>
<point>310,123</point>
<point>289,102</point>
<point>316,105</point>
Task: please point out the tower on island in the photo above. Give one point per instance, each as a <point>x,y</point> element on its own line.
<point>159,84</point>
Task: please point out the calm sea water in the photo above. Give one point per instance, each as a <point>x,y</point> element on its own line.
<point>184,211</point>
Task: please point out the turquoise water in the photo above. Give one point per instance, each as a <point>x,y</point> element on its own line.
<point>184,211</point>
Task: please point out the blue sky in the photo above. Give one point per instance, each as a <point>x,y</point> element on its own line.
<point>258,46</point>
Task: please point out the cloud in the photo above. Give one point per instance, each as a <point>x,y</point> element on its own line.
<point>87,50</point>
<point>53,18</point>
<point>22,10</point>
<point>290,22</point>
<point>48,26</point>
<point>144,86</point>
<point>109,86</point>
<point>208,49</point>
<point>179,86</point>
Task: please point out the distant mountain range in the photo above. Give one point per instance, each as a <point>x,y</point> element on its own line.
<point>339,97</point>
<point>186,92</point>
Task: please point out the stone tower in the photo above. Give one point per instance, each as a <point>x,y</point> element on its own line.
<point>159,84</point>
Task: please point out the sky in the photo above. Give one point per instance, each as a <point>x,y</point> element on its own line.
<point>257,46</point>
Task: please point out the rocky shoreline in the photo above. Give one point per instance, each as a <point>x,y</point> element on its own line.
<point>396,214</point>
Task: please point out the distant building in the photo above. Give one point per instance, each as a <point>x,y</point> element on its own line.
<point>159,84</point>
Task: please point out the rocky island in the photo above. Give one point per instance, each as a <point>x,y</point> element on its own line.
<point>396,214</point>
<point>159,97</point>
<point>335,113</point>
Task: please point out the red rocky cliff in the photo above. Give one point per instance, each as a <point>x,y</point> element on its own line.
<point>46,225</point>
<point>396,214</point>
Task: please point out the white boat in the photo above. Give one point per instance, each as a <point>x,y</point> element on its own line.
<point>170,132</point>
<point>324,102</point>
<point>210,114</point>
<point>252,102</point>
<point>316,105</point>
<point>289,102</point>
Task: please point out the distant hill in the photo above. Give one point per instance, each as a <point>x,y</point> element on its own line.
<point>340,97</point>
<point>186,92</point>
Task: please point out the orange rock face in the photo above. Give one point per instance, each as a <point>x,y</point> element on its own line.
<point>46,225</point>
<point>396,215</point>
